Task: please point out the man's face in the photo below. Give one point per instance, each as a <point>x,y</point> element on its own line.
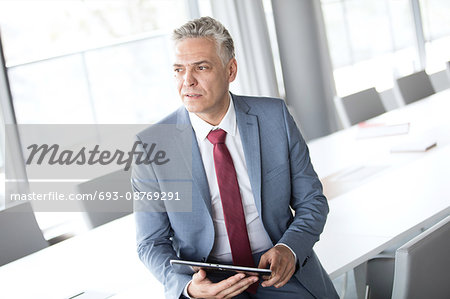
<point>202,79</point>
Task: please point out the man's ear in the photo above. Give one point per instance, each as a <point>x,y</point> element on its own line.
<point>232,69</point>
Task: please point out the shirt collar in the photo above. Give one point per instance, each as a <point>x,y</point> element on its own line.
<point>228,123</point>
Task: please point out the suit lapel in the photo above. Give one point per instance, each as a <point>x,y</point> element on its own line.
<point>192,158</point>
<point>249,131</point>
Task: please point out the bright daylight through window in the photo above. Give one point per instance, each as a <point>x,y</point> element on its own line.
<point>374,42</point>
<point>85,62</point>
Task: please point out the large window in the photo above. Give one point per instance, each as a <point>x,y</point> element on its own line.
<point>89,61</point>
<point>436,27</point>
<point>373,42</point>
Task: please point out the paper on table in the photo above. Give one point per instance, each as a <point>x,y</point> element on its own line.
<point>91,295</point>
<point>414,145</point>
<point>382,130</point>
<point>347,179</point>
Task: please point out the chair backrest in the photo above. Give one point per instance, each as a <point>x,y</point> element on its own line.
<point>448,69</point>
<point>422,265</point>
<point>20,234</point>
<point>415,87</point>
<point>114,185</point>
<point>360,106</point>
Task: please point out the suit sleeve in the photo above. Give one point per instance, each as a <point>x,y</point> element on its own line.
<point>307,199</point>
<point>153,230</point>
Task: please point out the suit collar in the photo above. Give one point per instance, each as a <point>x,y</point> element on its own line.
<point>228,123</point>
<point>183,122</point>
<point>249,130</point>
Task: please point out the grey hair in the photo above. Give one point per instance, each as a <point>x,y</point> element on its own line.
<point>209,28</point>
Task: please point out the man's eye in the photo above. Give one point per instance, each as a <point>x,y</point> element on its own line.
<point>177,70</point>
<point>201,67</point>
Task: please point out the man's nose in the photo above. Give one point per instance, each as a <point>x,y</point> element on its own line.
<point>189,79</point>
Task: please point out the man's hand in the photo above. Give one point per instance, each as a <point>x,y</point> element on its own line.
<point>202,287</point>
<point>282,263</point>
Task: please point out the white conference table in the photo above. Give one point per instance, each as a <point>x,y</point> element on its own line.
<point>389,198</point>
<point>380,199</point>
<point>103,260</point>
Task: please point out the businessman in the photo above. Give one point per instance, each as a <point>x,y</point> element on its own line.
<point>250,170</point>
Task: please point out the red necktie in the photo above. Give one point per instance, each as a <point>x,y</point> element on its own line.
<point>231,203</point>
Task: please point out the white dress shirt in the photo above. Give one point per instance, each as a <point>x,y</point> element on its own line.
<point>259,239</point>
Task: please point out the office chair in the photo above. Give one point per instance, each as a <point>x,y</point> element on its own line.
<point>98,212</point>
<point>422,266</point>
<point>420,269</point>
<point>448,69</point>
<point>360,106</point>
<point>20,234</point>
<point>414,87</point>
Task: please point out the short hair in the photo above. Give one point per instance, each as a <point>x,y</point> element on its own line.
<point>208,27</point>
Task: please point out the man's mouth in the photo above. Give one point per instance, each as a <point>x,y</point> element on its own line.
<point>192,95</point>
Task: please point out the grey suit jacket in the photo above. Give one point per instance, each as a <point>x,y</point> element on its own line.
<point>281,177</point>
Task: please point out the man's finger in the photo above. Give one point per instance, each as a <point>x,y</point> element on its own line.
<point>284,270</point>
<point>285,280</point>
<point>204,288</point>
<point>285,277</point>
<point>239,287</point>
<point>199,276</point>
<point>278,272</point>
<point>227,283</point>
<point>274,279</point>
<point>264,261</point>
<point>197,285</point>
<point>276,275</point>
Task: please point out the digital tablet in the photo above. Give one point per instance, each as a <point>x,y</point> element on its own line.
<point>186,267</point>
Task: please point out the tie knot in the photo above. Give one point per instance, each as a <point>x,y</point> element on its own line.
<point>217,136</point>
